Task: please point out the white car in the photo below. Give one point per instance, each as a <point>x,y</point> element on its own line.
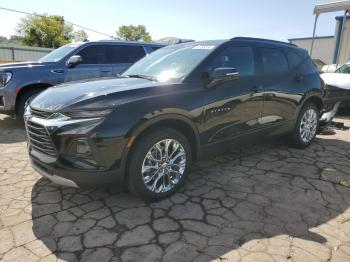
<point>337,86</point>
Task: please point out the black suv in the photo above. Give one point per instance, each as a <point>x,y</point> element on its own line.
<point>172,107</point>
<point>71,62</point>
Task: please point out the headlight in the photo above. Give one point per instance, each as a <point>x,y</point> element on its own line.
<point>87,113</point>
<point>5,77</point>
<point>26,110</point>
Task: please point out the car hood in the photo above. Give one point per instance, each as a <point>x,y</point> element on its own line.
<point>337,80</point>
<point>16,66</point>
<point>90,95</point>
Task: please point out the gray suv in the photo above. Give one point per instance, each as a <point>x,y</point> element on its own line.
<point>72,62</point>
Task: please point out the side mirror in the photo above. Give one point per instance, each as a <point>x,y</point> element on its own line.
<point>74,61</point>
<point>221,75</point>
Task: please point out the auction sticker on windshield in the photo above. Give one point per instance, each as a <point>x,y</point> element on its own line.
<point>203,47</point>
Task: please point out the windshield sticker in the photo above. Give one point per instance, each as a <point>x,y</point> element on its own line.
<point>208,47</point>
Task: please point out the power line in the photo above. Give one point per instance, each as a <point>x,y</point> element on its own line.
<point>74,24</point>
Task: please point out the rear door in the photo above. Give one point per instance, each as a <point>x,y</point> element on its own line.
<point>94,64</point>
<point>283,86</point>
<point>121,57</point>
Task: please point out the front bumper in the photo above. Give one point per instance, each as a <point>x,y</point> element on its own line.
<point>54,159</point>
<point>7,99</point>
<point>61,175</point>
<point>55,179</point>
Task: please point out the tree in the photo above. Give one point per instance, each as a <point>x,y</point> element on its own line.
<point>3,39</point>
<point>133,33</point>
<point>45,31</point>
<point>80,36</point>
<point>14,39</point>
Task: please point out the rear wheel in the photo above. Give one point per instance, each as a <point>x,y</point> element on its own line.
<point>307,126</point>
<point>158,164</point>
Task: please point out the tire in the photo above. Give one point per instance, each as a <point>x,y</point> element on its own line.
<point>140,179</point>
<point>23,99</point>
<point>300,139</point>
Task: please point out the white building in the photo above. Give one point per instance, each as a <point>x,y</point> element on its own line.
<point>326,47</point>
<point>323,47</point>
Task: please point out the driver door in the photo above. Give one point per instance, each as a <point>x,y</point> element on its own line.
<point>234,107</point>
<point>94,64</point>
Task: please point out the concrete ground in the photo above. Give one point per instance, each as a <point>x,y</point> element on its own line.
<point>265,203</point>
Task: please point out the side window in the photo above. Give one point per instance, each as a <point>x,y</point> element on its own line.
<point>93,54</point>
<point>241,58</point>
<point>124,53</point>
<point>294,58</point>
<point>274,61</point>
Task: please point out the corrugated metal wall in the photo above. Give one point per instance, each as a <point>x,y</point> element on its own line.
<point>323,47</point>
<point>17,53</point>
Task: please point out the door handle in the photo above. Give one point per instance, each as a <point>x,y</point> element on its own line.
<point>57,71</point>
<point>105,71</point>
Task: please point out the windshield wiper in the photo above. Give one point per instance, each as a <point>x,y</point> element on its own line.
<point>150,78</point>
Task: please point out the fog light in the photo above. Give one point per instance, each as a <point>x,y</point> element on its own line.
<point>83,147</point>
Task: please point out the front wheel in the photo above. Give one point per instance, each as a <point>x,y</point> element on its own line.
<point>158,164</point>
<point>23,100</point>
<point>306,126</point>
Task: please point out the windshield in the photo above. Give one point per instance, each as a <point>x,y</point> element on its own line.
<point>344,69</point>
<point>59,53</point>
<point>171,62</point>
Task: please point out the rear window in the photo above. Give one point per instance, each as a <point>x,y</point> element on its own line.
<point>124,53</point>
<point>274,61</point>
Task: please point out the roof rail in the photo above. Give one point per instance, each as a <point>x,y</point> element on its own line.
<point>128,42</point>
<point>261,39</point>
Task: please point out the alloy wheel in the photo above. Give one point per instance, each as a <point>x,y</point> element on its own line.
<point>163,166</point>
<point>308,125</point>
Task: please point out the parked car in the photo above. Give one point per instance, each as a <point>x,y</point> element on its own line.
<point>329,68</point>
<point>338,86</point>
<point>173,40</point>
<point>20,81</point>
<point>176,105</point>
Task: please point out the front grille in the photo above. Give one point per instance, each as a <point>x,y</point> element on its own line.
<point>40,114</point>
<point>39,139</point>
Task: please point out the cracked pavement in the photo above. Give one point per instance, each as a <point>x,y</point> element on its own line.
<point>264,203</point>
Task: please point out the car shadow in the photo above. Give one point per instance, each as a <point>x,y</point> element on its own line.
<point>12,130</point>
<point>227,202</point>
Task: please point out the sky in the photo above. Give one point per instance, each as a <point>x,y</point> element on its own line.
<point>193,19</point>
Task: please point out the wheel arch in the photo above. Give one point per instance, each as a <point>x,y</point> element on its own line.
<point>317,101</point>
<point>22,91</point>
<point>314,98</point>
<point>178,122</point>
